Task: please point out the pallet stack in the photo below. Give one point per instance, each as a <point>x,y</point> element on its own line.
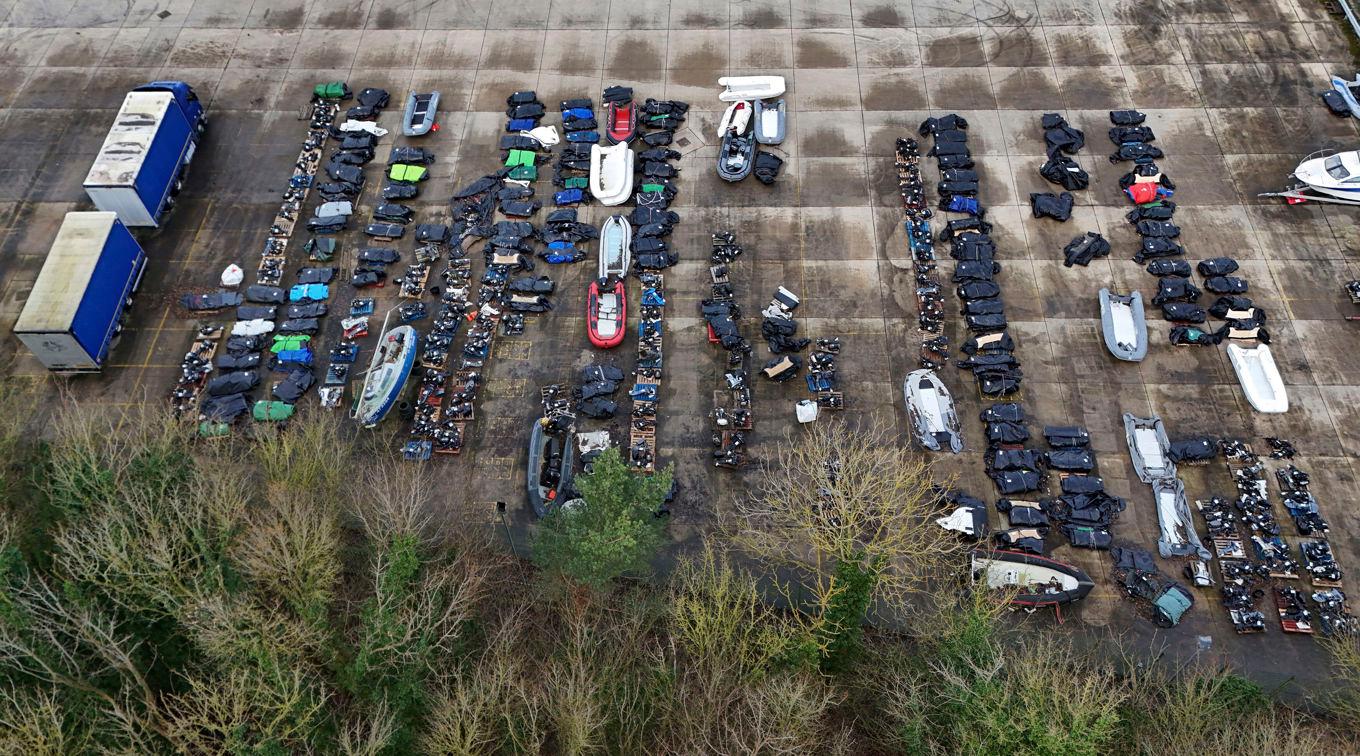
<point>646,391</point>
<point>732,416</point>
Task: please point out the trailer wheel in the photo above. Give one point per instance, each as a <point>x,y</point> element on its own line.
<point>202,125</point>
<point>178,187</point>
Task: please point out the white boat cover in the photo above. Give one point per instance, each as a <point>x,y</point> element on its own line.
<point>737,115</point>
<point>368,126</point>
<point>806,410</point>
<point>232,276</point>
<point>256,327</point>
<point>1260,379</point>
<point>331,209</point>
<point>611,173</point>
<point>544,135</point>
<point>750,87</point>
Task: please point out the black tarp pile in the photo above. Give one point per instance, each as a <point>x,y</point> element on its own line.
<point>1085,248</point>
<point>572,170</point>
<point>990,353</point>
<point>778,327</point>
<point>598,384</point>
<point>652,220</point>
<point>1015,470</point>
<point>732,419</point>
<point>929,293</point>
<point>1136,571</point>
<point>1061,142</point>
<point>344,167</point>
<point>1083,509</point>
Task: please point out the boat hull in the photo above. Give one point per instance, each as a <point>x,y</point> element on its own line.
<point>769,120</point>
<point>373,406</point>
<point>1148,447</point>
<point>621,118</point>
<point>605,338</point>
<point>1032,576</point>
<point>420,113</point>
<point>737,156</point>
<point>1116,336</point>
<point>931,409</point>
<point>1259,378</point>
<point>750,87</point>
<point>616,244</point>
<point>543,445</point>
<point>611,173</point>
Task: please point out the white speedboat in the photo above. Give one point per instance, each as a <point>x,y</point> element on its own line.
<point>750,87</point>
<point>770,121</point>
<point>616,244</point>
<point>1178,537</point>
<point>1032,581</point>
<point>1260,379</point>
<point>386,376</point>
<point>1336,175</point>
<point>1123,324</point>
<point>611,173</point>
<point>737,116</point>
<point>931,410</point>
<point>1148,447</point>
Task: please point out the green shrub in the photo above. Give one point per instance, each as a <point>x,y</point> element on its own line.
<point>614,531</point>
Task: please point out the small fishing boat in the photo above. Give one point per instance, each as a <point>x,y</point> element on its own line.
<point>620,122</point>
<point>1326,176</point>
<point>1260,379</point>
<point>750,87</point>
<point>551,455</point>
<point>736,156</point>
<point>606,313</point>
<point>1033,580</point>
<point>737,116</point>
<point>616,244</point>
<point>1123,323</point>
<point>931,410</point>
<point>1178,537</point>
<point>611,173</point>
<point>419,116</point>
<point>1148,447</point>
<point>769,117</point>
<point>386,375</point>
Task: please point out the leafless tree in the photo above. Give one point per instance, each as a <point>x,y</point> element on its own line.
<point>838,492</point>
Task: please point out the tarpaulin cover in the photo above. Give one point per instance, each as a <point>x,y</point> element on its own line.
<point>1047,204</point>
<point>1169,267</point>
<point>233,383</point>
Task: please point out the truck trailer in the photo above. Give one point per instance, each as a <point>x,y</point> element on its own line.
<point>80,300</point>
<point>146,155</point>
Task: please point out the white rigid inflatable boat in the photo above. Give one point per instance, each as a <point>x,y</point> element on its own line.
<point>616,241</point>
<point>611,173</point>
<point>750,87</point>
<point>1260,379</point>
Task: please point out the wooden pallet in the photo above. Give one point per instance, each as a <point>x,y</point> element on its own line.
<point>1326,583</point>
<point>1290,626</point>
